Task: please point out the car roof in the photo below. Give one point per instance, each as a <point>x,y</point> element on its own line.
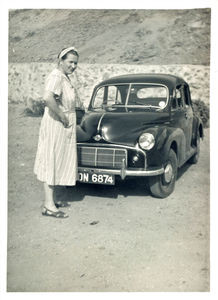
<point>166,79</point>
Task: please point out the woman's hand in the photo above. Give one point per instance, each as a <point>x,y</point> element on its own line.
<point>50,100</point>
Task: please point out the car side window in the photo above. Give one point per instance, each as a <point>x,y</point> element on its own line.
<point>174,104</point>
<point>186,96</point>
<point>179,97</point>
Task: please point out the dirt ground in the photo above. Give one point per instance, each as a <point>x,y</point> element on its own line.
<point>117,239</point>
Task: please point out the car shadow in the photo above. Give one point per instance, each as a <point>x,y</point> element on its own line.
<point>128,187</point>
<point>183,169</point>
<point>131,186</point>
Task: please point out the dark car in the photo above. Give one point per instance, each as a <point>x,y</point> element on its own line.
<point>139,125</point>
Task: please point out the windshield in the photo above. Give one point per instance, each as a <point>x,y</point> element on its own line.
<point>145,95</point>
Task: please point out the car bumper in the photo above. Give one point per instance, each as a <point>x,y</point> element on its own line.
<point>123,172</point>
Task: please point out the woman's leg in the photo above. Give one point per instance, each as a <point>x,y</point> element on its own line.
<point>50,208</point>
<point>49,197</point>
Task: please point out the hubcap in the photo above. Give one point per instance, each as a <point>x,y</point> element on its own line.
<point>168,173</point>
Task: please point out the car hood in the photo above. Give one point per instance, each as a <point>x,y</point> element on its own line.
<point>122,126</point>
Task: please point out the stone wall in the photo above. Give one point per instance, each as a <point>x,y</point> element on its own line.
<point>26,80</point>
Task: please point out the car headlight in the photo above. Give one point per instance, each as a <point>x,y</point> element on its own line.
<point>146,141</point>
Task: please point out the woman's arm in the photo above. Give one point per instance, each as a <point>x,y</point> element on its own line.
<point>52,104</point>
<point>81,134</point>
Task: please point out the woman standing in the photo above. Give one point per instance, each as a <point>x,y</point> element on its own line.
<point>56,158</point>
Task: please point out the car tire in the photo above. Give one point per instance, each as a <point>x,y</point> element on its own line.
<point>194,159</point>
<point>162,186</point>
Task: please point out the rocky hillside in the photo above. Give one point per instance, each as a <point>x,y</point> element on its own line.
<point>148,37</point>
<point>26,80</point>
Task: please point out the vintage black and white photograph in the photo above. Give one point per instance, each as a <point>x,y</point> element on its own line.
<point>109,150</point>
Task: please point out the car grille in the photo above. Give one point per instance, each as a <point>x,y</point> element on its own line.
<point>101,157</point>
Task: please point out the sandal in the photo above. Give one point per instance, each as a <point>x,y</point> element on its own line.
<point>55,214</point>
<point>59,204</point>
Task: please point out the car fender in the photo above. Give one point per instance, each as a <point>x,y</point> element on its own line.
<point>165,139</point>
<point>175,140</point>
<point>200,127</point>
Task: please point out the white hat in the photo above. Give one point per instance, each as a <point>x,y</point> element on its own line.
<point>65,51</point>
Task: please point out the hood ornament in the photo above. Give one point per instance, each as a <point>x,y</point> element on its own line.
<point>97,137</point>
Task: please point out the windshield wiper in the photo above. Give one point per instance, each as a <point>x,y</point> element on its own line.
<point>145,106</point>
<point>97,107</point>
<point>152,106</point>
<point>135,102</point>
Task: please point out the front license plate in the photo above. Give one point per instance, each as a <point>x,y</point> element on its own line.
<point>96,178</point>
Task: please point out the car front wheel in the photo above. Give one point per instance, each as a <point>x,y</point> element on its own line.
<point>163,185</point>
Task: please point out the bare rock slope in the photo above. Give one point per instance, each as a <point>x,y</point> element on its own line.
<point>111,36</point>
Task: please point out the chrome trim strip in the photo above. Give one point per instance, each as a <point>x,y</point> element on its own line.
<point>99,122</point>
<point>114,157</point>
<point>86,145</point>
<point>136,148</point>
<point>96,154</point>
<point>123,172</point>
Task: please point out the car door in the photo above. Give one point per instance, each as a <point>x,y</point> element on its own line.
<point>182,114</point>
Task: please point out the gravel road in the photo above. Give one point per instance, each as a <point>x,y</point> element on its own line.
<point>117,239</point>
